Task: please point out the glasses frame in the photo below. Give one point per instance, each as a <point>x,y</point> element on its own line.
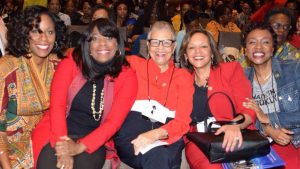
<point>277,26</point>
<point>161,42</point>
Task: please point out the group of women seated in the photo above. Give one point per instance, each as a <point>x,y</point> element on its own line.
<point>79,108</point>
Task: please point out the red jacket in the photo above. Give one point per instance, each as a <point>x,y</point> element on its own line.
<point>66,83</point>
<point>179,97</point>
<point>230,79</point>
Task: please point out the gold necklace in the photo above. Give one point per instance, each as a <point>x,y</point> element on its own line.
<point>264,78</point>
<point>97,114</point>
<point>198,84</point>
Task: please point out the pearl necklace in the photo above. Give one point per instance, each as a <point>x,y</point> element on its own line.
<point>97,114</point>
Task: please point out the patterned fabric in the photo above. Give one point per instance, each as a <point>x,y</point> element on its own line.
<point>24,95</point>
<point>284,52</point>
<point>287,51</point>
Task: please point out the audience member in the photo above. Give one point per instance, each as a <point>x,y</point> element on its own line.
<point>161,113</point>
<point>221,22</point>
<point>177,20</point>
<point>200,56</point>
<point>85,11</point>
<point>91,95</point>
<point>283,24</point>
<point>275,87</point>
<point>55,7</point>
<point>36,38</point>
<point>191,21</point>
<point>295,41</point>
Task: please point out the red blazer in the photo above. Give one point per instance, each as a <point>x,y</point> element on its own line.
<point>230,79</point>
<point>66,83</point>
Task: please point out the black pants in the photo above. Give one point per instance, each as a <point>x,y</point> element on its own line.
<point>48,160</point>
<point>162,157</point>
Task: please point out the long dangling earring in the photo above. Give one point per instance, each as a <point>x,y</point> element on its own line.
<point>212,60</point>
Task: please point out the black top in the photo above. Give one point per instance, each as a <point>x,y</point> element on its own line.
<point>80,121</point>
<point>199,103</point>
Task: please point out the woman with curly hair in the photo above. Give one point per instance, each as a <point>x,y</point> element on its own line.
<point>35,41</point>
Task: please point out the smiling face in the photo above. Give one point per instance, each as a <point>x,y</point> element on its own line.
<point>41,41</point>
<point>102,49</point>
<point>162,53</point>
<point>199,52</point>
<point>259,47</point>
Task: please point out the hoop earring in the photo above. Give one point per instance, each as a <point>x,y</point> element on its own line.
<point>55,46</point>
<point>118,53</point>
<point>28,54</point>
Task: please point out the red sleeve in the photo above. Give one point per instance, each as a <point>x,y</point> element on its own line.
<point>58,100</point>
<point>180,124</point>
<point>241,89</point>
<point>125,90</point>
<point>134,61</point>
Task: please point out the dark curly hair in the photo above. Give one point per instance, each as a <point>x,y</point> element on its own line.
<point>220,10</point>
<point>82,55</point>
<point>27,20</point>
<point>262,26</point>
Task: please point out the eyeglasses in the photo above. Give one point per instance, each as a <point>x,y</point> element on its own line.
<point>165,43</point>
<point>278,26</point>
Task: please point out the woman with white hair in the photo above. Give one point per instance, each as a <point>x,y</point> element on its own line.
<point>151,136</point>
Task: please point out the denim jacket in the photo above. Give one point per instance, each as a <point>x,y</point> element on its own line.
<point>287,76</point>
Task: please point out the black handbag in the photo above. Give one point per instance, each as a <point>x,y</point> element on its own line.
<point>254,144</point>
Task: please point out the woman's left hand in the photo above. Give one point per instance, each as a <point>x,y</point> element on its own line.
<point>144,140</point>
<point>261,116</point>
<point>232,137</point>
<point>65,162</point>
<point>68,147</point>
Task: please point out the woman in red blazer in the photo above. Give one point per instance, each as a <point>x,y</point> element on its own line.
<point>200,56</point>
<point>91,95</point>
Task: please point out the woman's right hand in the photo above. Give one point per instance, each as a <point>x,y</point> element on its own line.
<point>232,137</point>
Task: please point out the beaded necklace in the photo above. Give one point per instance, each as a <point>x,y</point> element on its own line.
<point>97,114</point>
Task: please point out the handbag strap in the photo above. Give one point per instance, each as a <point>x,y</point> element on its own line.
<point>208,127</point>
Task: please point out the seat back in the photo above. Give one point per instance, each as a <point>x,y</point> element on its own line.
<point>143,48</point>
<point>230,39</point>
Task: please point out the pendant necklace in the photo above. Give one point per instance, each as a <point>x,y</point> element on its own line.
<point>148,86</point>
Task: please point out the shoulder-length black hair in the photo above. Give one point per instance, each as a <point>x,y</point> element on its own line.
<point>217,59</point>
<point>82,55</point>
<point>19,27</point>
